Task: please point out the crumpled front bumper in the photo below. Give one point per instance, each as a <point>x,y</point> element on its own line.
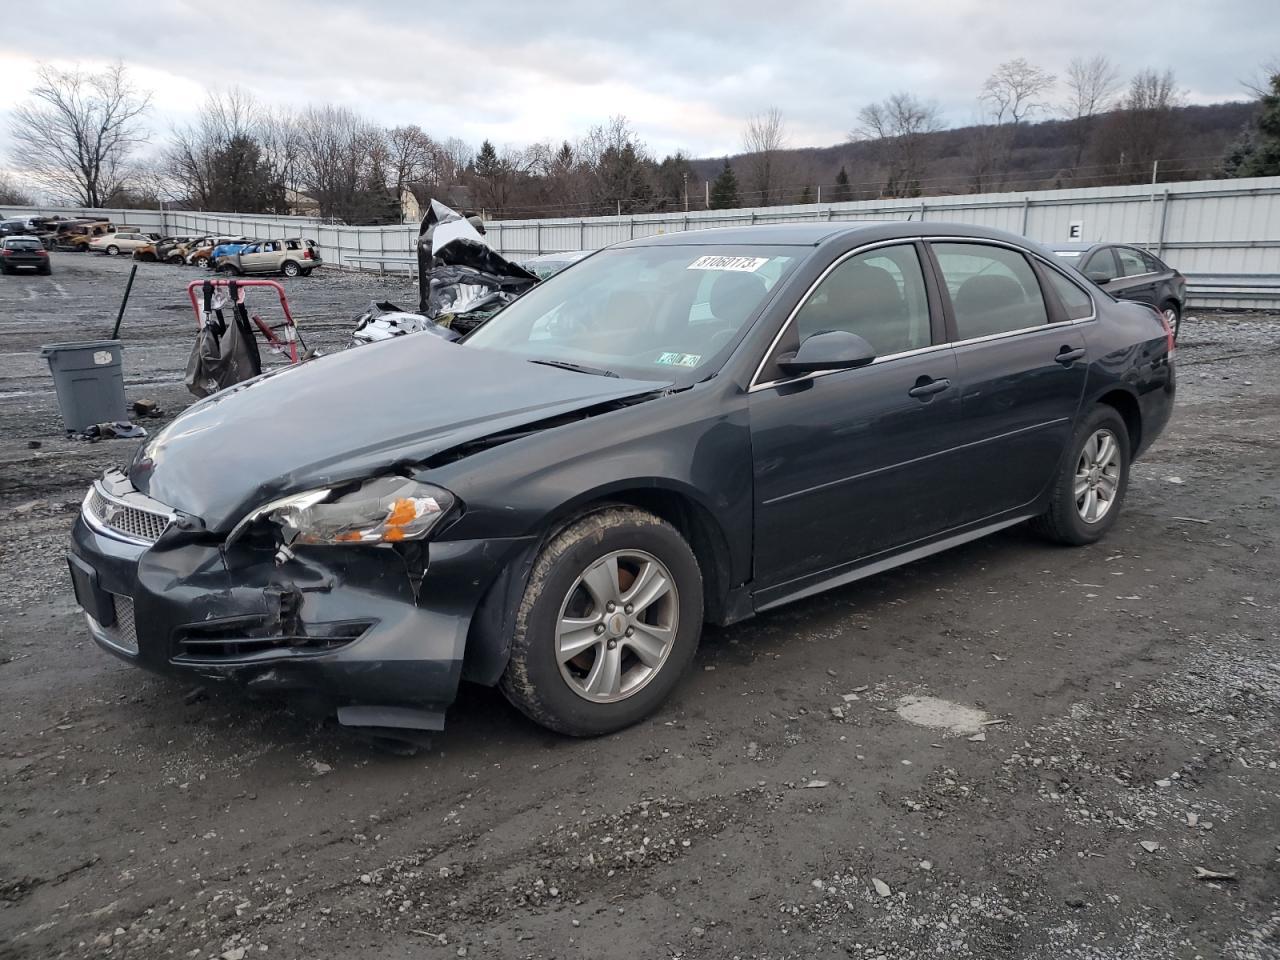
<point>342,622</point>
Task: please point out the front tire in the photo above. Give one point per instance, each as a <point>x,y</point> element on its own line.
<point>609,620</point>
<point>113,251</point>
<point>1092,481</point>
<point>202,263</point>
<point>1172,316</point>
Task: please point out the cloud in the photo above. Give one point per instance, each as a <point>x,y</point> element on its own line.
<point>687,75</point>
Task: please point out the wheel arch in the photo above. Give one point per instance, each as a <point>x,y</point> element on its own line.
<point>1126,404</point>
<point>489,637</point>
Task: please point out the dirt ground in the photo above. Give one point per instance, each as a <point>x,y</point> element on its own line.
<point>1121,733</point>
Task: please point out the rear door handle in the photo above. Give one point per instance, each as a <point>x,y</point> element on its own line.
<point>1067,356</point>
<point>926,387</point>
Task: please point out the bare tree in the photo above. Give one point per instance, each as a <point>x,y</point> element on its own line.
<point>1016,90</point>
<point>900,127</point>
<point>763,141</point>
<point>1091,88</point>
<point>411,155</point>
<point>342,162</point>
<point>198,155</point>
<point>1149,119</point>
<point>10,193</point>
<point>75,135</point>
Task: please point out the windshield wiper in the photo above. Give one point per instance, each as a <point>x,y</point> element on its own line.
<point>577,368</point>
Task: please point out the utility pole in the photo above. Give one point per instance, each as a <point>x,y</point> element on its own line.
<point>686,191</point>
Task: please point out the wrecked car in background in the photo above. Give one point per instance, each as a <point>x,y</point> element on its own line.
<point>200,253</point>
<point>549,264</point>
<point>293,257</point>
<point>681,429</point>
<point>461,282</point>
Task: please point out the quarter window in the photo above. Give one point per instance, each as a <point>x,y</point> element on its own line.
<point>879,295</point>
<point>1075,301</point>
<point>1131,263</point>
<point>993,289</point>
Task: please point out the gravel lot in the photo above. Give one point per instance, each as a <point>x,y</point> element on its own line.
<point>1105,724</point>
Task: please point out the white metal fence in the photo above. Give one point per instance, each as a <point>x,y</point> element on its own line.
<point>1224,234</point>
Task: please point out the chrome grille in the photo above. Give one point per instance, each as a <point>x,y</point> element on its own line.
<point>133,522</point>
<point>124,632</point>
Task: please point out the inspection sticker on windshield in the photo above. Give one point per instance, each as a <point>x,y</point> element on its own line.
<point>740,264</point>
<point>680,359</point>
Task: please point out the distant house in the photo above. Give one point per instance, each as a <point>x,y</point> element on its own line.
<point>415,197</point>
<point>300,205</point>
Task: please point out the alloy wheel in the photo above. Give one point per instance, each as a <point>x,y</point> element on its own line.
<point>1097,479</point>
<point>617,626</point>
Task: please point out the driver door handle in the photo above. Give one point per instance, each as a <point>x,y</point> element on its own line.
<point>1067,356</point>
<point>926,387</point>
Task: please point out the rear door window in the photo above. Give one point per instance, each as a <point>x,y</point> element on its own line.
<point>1101,266</point>
<point>993,289</point>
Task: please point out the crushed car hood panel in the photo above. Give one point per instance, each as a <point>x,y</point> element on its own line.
<point>347,416</point>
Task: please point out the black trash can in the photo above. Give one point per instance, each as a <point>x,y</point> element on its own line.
<point>90,381</point>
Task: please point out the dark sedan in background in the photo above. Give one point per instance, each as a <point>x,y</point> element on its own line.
<point>680,429</point>
<point>1130,273</point>
<point>18,254</point>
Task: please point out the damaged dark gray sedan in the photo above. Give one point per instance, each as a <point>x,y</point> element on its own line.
<point>683,429</point>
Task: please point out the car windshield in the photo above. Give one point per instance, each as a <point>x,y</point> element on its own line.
<point>647,312</point>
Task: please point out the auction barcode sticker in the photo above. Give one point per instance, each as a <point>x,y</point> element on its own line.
<point>740,264</point>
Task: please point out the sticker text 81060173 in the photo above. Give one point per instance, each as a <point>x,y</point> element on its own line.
<point>739,264</point>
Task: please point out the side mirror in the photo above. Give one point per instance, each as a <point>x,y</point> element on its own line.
<point>833,350</point>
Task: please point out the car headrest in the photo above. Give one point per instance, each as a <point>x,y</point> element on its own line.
<point>983,294</point>
<point>735,295</point>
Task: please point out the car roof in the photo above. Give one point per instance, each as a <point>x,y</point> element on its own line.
<point>814,234</point>
<point>1077,245</point>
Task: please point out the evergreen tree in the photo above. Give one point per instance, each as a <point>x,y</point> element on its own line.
<point>1260,153</point>
<point>843,191</point>
<point>724,189</point>
<point>486,160</point>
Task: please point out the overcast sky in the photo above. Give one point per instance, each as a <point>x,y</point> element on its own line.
<point>686,74</point>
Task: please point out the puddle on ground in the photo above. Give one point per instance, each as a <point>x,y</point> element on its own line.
<point>939,714</point>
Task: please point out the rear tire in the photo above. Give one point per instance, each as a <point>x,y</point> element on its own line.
<point>644,641</point>
<point>202,263</point>
<point>113,251</point>
<point>227,270</point>
<point>307,272</point>
<point>1092,479</point>
<point>290,269</point>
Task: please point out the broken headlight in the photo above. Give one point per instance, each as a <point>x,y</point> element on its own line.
<point>385,510</point>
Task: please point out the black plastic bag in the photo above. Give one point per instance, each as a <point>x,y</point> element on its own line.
<point>223,356</point>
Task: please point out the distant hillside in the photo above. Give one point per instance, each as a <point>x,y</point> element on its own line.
<point>1189,144</point>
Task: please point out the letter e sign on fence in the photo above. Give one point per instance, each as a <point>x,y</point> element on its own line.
<point>1075,230</point>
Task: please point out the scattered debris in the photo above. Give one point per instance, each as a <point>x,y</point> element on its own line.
<point>1203,874</point>
<point>882,888</point>
<point>817,784</point>
<point>1191,520</point>
<point>978,738</point>
<point>939,714</point>
<point>146,407</point>
<point>1149,845</point>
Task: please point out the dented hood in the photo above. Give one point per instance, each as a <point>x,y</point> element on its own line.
<point>348,416</point>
